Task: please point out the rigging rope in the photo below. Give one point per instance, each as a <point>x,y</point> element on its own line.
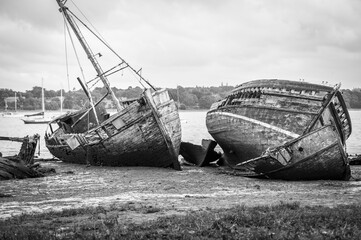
<point>66,56</point>
<point>108,73</point>
<point>76,53</point>
<point>112,50</point>
<point>88,21</point>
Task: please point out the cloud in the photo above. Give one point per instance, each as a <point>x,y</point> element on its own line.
<point>189,42</point>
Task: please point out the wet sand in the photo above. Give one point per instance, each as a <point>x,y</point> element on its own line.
<point>163,191</point>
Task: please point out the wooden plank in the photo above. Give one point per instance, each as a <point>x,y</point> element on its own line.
<point>171,149</point>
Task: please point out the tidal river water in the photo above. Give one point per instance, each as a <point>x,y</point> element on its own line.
<point>193,130</point>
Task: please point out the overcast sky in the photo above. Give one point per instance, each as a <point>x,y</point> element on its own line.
<point>188,42</point>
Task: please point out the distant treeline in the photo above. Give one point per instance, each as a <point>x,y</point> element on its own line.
<point>188,97</point>
<point>352,97</point>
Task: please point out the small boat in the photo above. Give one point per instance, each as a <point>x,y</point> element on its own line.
<point>34,114</point>
<point>145,131</point>
<point>38,118</point>
<point>271,114</point>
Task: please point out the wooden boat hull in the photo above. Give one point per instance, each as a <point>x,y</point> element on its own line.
<point>264,114</point>
<point>314,156</point>
<point>146,133</point>
<point>242,137</point>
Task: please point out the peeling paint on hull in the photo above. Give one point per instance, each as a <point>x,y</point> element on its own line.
<point>265,114</point>
<point>136,136</point>
<point>314,156</point>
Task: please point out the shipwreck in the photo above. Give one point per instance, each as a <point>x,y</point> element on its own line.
<point>145,131</point>
<point>282,129</point>
<point>22,164</point>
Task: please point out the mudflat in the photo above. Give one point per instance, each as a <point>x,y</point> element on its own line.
<point>145,193</point>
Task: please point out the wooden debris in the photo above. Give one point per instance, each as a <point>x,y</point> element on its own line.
<point>355,159</point>
<point>21,165</point>
<point>10,169</point>
<point>200,155</point>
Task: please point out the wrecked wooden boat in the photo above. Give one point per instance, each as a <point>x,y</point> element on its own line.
<point>267,114</point>
<point>145,131</point>
<point>21,165</point>
<point>313,156</point>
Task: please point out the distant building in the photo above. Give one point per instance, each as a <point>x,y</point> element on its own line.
<point>11,99</point>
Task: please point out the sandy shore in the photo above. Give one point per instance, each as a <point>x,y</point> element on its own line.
<point>166,190</point>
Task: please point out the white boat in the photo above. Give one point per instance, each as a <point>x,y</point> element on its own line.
<point>38,118</point>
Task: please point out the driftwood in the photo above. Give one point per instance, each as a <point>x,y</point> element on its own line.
<point>10,169</point>
<point>21,165</point>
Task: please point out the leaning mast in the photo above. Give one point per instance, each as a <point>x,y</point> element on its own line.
<point>89,53</point>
